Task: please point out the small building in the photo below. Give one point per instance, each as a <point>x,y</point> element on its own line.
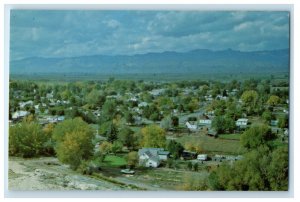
<point>191,127</point>
<point>152,157</point>
<point>286,132</point>
<point>242,122</point>
<point>274,122</point>
<point>28,103</point>
<point>19,114</point>
<point>143,104</point>
<point>202,157</point>
<point>204,120</point>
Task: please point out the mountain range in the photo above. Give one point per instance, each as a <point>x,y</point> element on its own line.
<point>195,61</point>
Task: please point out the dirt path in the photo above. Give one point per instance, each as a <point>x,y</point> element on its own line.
<point>48,174</point>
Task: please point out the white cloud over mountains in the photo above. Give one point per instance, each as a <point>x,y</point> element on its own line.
<point>42,33</point>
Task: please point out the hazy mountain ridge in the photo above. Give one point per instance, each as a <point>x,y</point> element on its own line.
<point>195,61</point>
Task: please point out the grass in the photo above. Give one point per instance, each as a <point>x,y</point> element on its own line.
<point>213,145</point>
<point>230,136</point>
<point>167,178</point>
<point>115,161</point>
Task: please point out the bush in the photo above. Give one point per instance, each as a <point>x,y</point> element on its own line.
<point>27,139</point>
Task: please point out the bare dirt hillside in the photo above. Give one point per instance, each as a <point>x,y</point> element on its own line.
<point>48,174</point>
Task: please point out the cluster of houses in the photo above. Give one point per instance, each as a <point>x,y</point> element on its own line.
<point>153,157</point>
<point>206,121</point>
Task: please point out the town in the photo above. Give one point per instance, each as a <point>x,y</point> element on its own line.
<point>156,135</point>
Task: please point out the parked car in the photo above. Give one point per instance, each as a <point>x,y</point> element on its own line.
<point>127,171</point>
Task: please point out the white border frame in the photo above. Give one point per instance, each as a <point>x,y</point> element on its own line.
<point>142,194</point>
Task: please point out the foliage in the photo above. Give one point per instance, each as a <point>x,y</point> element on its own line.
<point>267,116</point>
<point>132,159</point>
<point>116,147</point>
<point>73,141</point>
<point>273,100</point>
<point>127,137</point>
<point>283,122</point>
<point>193,182</point>
<point>109,130</point>
<point>256,136</point>
<point>175,148</point>
<point>260,169</point>
<point>27,139</point>
<point>223,124</point>
<point>153,136</point>
<point>105,148</point>
<point>250,98</point>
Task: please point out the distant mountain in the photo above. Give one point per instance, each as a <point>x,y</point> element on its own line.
<point>196,61</point>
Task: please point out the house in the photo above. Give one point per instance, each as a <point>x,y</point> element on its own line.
<point>23,104</point>
<point>273,122</point>
<point>204,120</point>
<point>49,95</point>
<point>191,127</point>
<point>19,114</point>
<point>202,157</point>
<point>143,104</point>
<point>152,157</point>
<point>208,98</point>
<point>156,92</point>
<point>286,132</point>
<point>241,123</point>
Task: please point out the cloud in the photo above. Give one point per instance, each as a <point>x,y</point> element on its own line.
<point>73,33</point>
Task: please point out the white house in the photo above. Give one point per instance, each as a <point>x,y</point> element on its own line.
<point>202,157</point>
<point>241,122</point>
<point>152,157</point>
<point>19,114</point>
<point>23,104</point>
<point>286,132</point>
<point>204,120</point>
<point>143,104</point>
<point>191,127</point>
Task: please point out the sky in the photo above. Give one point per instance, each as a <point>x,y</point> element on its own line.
<point>67,33</point>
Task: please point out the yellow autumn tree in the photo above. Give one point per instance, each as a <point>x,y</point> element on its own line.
<point>153,136</point>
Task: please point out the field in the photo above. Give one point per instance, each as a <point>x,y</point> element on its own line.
<point>213,145</point>
<point>147,77</point>
<point>230,136</point>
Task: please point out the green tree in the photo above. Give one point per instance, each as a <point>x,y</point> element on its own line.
<point>283,122</point>
<point>73,141</point>
<point>250,98</point>
<point>267,116</point>
<point>273,100</point>
<point>127,137</point>
<point>175,148</point>
<point>116,147</point>
<point>129,118</point>
<point>256,136</point>
<point>153,136</point>
<point>27,139</point>
<point>166,123</point>
<point>109,130</point>
<point>132,159</point>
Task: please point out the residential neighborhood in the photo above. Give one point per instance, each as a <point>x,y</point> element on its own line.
<point>155,125</point>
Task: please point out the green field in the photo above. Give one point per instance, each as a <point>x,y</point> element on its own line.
<point>115,161</point>
<point>230,136</point>
<point>213,145</point>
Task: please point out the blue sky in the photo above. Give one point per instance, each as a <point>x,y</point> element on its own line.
<point>42,33</point>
